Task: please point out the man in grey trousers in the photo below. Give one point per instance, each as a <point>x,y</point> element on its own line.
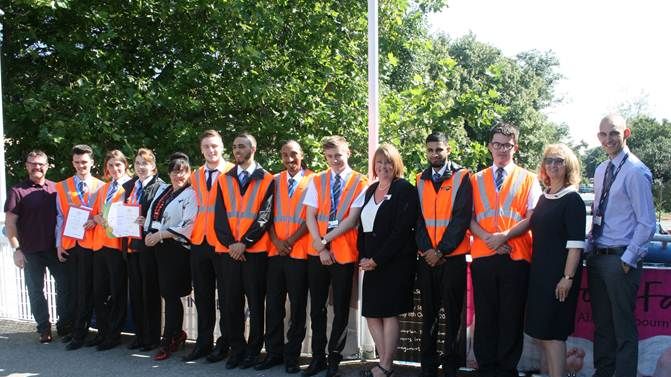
<point>623,223</point>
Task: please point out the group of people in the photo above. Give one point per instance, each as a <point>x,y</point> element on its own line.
<point>235,233</point>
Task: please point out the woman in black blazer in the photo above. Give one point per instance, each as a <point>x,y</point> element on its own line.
<point>145,298</point>
<point>387,253</point>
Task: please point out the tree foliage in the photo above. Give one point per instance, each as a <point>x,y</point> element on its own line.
<point>156,73</point>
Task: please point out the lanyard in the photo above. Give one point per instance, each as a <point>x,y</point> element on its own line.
<point>606,192</point>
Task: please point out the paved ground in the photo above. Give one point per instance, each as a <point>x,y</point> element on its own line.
<point>21,355</point>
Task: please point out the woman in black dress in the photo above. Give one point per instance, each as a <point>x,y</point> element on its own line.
<point>558,226</point>
<point>168,229</point>
<point>387,251</point>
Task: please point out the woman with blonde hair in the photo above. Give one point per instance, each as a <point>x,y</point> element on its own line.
<point>558,226</point>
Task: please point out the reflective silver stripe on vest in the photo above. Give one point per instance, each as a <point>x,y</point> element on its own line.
<point>232,212</point>
<point>348,199</point>
<point>504,210</point>
<point>278,202</point>
<point>67,195</point>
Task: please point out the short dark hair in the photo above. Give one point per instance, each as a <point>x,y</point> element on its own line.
<point>178,161</point>
<point>436,136</point>
<point>82,149</point>
<point>248,136</point>
<point>505,129</point>
<point>334,141</point>
<point>36,153</point>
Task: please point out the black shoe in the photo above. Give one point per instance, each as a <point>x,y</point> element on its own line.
<point>317,365</point>
<point>333,364</point>
<point>98,339</point>
<point>249,361</point>
<point>150,347</point>
<point>269,362</point>
<point>234,361</point>
<point>219,353</point>
<point>74,345</point>
<point>67,338</point>
<point>135,344</point>
<point>108,344</point>
<point>63,329</point>
<point>196,353</point>
<point>291,367</point>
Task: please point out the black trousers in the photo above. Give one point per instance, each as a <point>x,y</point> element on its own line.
<point>35,268</point>
<point>207,275</point>
<point>110,291</point>
<point>286,275</point>
<point>245,280</point>
<point>82,262</point>
<point>499,292</point>
<point>442,286</point>
<point>144,294</point>
<point>339,277</point>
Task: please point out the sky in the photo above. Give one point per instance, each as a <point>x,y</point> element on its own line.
<point>611,53</point>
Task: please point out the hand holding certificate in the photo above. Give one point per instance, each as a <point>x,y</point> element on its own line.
<point>121,220</point>
<point>74,223</point>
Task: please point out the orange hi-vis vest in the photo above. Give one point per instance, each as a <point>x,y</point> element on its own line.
<point>437,208</point>
<point>100,237</point>
<point>496,212</point>
<point>344,246</point>
<point>203,225</point>
<point>68,197</point>
<point>289,214</point>
<point>242,210</point>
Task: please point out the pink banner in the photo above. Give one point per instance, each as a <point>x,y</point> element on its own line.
<point>653,306</point>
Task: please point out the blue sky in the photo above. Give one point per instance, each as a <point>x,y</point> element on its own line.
<point>611,53</point>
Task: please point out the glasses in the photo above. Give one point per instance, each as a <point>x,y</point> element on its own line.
<point>36,164</point>
<point>553,161</point>
<point>505,147</point>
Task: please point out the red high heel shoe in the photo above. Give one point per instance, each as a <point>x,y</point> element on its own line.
<point>164,351</point>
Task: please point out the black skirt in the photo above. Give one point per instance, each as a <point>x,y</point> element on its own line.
<point>174,270</point>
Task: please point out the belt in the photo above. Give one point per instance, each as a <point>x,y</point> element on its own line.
<point>609,250</point>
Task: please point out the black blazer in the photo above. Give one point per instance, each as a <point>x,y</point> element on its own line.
<point>148,194</point>
<point>393,232</point>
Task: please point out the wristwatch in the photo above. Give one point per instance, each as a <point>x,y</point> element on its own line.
<point>18,248</point>
<point>323,241</point>
<point>568,277</point>
<point>438,253</point>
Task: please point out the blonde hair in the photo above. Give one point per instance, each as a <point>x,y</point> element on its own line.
<point>330,142</point>
<point>571,163</point>
<point>147,155</point>
<point>389,152</point>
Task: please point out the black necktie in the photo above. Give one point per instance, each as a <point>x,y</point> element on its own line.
<point>608,178</point>
<point>208,183</point>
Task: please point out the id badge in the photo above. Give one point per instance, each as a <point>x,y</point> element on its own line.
<point>596,220</point>
<point>333,224</point>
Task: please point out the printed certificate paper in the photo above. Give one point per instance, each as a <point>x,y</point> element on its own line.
<point>121,220</point>
<point>74,223</point>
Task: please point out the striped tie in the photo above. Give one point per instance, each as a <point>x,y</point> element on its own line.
<point>112,191</point>
<point>292,187</point>
<point>138,190</point>
<point>336,189</point>
<point>499,179</point>
<point>436,177</point>
<point>244,175</point>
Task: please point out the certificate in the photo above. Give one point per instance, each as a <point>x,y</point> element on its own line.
<point>121,219</point>
<point>74,223</point>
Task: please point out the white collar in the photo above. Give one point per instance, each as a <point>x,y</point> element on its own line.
<point>441,171</point>
<point>296,177</point>
<point>560,193</point>
<point>508,168</point>
<point>250,169</point>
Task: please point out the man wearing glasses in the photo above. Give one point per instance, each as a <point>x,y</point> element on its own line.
<point>504,196</point>
<point>30,212</point>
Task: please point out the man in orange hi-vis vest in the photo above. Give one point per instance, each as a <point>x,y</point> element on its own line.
<point>504,196</point>
<point>287,262</point>
<point>331,218</point>
<point>80,191</point>
<point>206,267</point>
<point>446,199</point>
<point>243,212</point>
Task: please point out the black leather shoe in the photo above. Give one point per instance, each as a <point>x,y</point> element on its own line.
<point>63,329</point>
<point>234,361</point>
<point>67,338</point>
<point>74,345</point>
<point>219,353</point>
<point>98,339</point>
<point>150,347</point>
<point>333,364</point>
<point>269,362</point>
<point>196,353</point>
<point>316,365</point>
<point>249,361</point>
<point>135,344</point>
<point>108,344</point>
<point>292,368</point>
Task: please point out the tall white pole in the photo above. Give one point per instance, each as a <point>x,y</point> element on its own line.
<point>366,344</point>
<point>3,181</point>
